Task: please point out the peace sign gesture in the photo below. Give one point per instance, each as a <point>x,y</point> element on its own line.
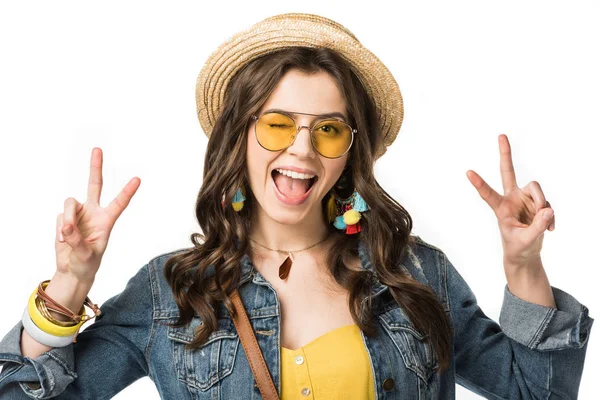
<point>523,214</point>
<point>83,229</point>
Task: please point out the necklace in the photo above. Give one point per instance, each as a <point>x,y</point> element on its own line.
<point>286,266</point>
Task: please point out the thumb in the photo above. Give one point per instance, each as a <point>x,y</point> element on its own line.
<point>71,235</point>
<point>543,219</point>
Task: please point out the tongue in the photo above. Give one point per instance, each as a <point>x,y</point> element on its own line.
<point>291,187</point>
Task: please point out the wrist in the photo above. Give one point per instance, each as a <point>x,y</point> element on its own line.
<point>72,280</point>
<point>529,266</point>
<point>69,292</point>
<point>530,283</point>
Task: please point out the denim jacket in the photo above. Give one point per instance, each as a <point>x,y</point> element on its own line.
<point>534,352</point>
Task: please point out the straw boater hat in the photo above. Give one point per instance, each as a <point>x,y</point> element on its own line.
<point>297,29</point>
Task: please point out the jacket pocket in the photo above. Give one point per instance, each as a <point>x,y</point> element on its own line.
<point>418,354</point>
<point>213,361</point>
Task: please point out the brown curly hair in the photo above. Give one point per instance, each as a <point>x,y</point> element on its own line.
<point>207,273</point>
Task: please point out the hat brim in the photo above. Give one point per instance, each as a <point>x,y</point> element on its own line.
<point>306,30</point>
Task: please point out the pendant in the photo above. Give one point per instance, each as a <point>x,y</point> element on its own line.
<point>286,266</point>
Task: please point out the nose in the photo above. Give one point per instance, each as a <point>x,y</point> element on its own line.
<point>302,145</point>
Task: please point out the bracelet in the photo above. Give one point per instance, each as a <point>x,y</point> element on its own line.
<point>48,327</point>
<point>41,305</point>
<point>54,306</point>
<point>43,337</point>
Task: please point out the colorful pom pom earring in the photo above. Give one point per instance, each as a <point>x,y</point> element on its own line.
<point>346,213</point>
<point>238,200</point>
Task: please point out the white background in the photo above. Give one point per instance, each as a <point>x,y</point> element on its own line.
<point>121,76</point>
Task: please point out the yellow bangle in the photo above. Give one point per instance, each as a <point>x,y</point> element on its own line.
<point>41,322</point>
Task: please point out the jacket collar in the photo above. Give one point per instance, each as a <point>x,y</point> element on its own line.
<point>250,272</point>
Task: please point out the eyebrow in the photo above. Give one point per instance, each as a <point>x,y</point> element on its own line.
<point>326,115</point>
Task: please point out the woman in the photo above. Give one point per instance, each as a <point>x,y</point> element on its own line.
<point>343,301</point>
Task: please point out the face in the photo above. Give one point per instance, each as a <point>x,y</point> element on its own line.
<point>303,93</point>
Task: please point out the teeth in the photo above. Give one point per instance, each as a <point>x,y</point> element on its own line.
<point>294,175</point>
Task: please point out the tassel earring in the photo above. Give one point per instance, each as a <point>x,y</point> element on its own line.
<point>347,212</point>
<point>238,200</point>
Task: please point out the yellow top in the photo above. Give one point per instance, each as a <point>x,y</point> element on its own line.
<point>335,365</point>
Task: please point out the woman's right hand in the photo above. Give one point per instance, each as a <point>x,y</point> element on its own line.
<point>82,230</point>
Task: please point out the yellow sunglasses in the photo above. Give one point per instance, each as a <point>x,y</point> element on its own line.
<point>277,130</point>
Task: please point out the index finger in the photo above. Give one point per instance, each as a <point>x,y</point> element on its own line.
<point>95,181</point>
<point>507,170</point>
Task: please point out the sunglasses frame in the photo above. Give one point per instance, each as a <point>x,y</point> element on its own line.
<point>310,129</point>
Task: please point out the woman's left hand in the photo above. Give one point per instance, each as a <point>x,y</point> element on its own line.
<point>520,212</point>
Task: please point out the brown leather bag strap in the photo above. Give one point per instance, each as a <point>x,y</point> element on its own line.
<point>252,350</point>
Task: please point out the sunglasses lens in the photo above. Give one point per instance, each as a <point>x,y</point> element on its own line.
<point>275,131</point>
<point>331,138</point>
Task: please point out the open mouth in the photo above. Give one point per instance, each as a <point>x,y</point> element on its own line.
<point>292,187</point>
